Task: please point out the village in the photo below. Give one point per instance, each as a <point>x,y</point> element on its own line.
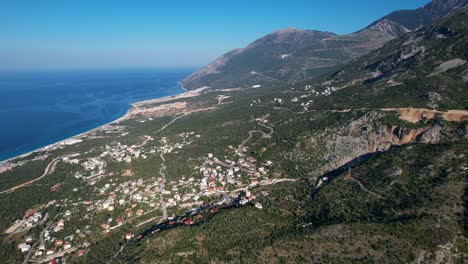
<point>127,202</point>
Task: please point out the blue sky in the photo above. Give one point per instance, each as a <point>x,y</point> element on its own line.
<point>61,34</point>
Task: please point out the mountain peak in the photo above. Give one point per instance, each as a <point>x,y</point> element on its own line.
<point>287,31</point>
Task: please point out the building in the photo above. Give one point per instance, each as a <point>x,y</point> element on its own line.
<point>24,247</point>
<point>67,245</point>
<point>81,252</point>
<point>59,242</point>
<point>128,236</point>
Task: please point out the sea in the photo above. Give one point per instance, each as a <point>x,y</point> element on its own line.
<point>41,108</point>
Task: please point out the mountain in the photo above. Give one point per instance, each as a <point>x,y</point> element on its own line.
<point>426,68</point>
<point>260,58</point>
<point>413,19</point>
<point>292,55</point>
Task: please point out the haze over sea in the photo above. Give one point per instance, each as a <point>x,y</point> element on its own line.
<point>41,108</point>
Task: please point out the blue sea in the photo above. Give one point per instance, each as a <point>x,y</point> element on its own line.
<point>40,108</point>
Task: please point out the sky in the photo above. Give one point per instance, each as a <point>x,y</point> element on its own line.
<point>87,34</point>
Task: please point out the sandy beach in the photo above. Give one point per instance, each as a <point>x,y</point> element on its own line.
<point>127,115</point>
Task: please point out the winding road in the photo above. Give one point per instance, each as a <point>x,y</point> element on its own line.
<point>264,135</point>
<point>48,170</point>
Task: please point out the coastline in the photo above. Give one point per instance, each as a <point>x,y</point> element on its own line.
<point>127,115</point>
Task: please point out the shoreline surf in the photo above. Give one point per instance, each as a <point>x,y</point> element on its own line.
<point>121,118</point>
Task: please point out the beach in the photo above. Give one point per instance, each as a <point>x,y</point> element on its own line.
<point>134,110</point>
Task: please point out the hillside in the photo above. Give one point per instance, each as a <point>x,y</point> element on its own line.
<point>293,55</point>
<point>426,68</point>
<point>366,164</point>
<point>260,61</point>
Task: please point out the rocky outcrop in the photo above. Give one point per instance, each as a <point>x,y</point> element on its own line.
<point>367,135</point>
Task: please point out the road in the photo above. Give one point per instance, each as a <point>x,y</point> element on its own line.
<point>376,195</point>
<point>40,241</point>
<point>161,198</point>
<point>263,183</point>
<point>264,135</point>
<point>56,255</point>
<point>163,177</point>
<point>266,77</point>
<point>48,170</point>
<point>172,121</point>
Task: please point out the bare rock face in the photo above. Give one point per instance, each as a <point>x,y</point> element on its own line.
<point>366,135</point>
<point>389,27</point>
<point>434,99</point>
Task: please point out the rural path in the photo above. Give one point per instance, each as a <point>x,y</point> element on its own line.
<point>48,170</point>
<point>371,193</point>
<point>264,135</point>
<point>266,77</point>
<point>263,183</point>
<point>170,123</point>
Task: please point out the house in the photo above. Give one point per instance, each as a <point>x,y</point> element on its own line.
<point>243,201</point>
<point>188,222</point>
<point>81,252</point>
<point>38,253</point>
<point>67,245</point>
<point>59,242</point>
<point>119,221</point>
<point>24,247</point>
<point>259,205</point>
<point>128,236</point>
<point>139,212</point>
<point>254,181</point>
<point>50,251</point>
<point>214,210</point>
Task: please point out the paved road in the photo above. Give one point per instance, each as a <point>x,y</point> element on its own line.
<point>48,170</point>
<point>40,241</point>
<point>161,198</point>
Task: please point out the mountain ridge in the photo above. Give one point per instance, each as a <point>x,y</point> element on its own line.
<point>291,55</point>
